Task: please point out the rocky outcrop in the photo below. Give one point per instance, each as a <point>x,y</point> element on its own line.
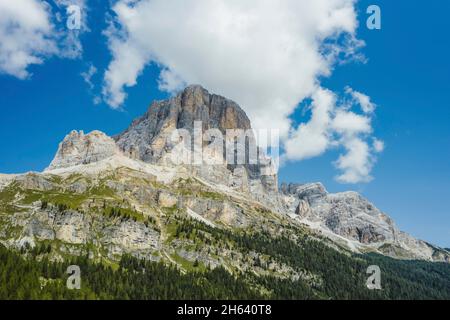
<point>146,138</point>
<point>77,228</point>
<point>353,217</point>
<point>130,236</point>
<point>347,214</point>
<point>34,181</point>
<point>78,149</point>
<point>310,192</point>
<point>150,139</point>
<point>166,200</point>
<point>142,158</point>
<point>5,179</point>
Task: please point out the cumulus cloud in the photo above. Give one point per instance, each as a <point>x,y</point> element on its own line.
<point>69,40</point>
<point>29,35</point>
<point>363,100</point>
<point>357,163</point>
<point>25,36</point>
<point>88,74</point>
<point>350,123</point>
<point>267,55</point>
<point>313,138</point>
<point>378,145</point>
<point>334,124</point>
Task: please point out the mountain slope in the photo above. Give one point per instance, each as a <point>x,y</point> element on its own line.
<point>112,199</point>
<point>263,254</point>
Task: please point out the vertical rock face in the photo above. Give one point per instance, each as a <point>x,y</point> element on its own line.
<point>350,215</point>
<point>149,137</point>
<point>311,192</point>
<point>78,148</point>
<point>353,217</point>
<point>145,138</point>
<point>347,214</point>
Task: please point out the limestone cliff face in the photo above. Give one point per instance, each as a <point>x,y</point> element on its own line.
<point>347,214</point>
<point>149,137</point>
<point>78,148</point>
<point>145,138</point>
<point>353,217</point>
<point>146,145</point>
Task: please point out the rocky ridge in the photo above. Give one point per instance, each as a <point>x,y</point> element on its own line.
<point>95,173</point>
<point>149,138</point>
<point>79,149</point>
<point>358,222</point>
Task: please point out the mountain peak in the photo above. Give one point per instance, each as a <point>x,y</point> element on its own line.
<point>149,138</point>
<point>79,148</point>
<point>145,138</point>
<point>339,216</point>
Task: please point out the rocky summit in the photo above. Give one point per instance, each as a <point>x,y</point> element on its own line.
<point>106,197</point>
<point>148,138</point>
<point>78,149</point>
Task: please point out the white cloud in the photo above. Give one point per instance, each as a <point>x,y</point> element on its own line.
<point>363,100</point>
<point>357,163</point>
<point>88,74</point>
<point>87,77</point>
<point>25,36</point>
<point>349,123</point>
<point>127,64</point>
<point>28,35</point>
<point>69,40</point>
<point>313,138</point>
<point>352,132</point>
<point>378,145</point>
<point>336,126</point>
<point>267,55</point>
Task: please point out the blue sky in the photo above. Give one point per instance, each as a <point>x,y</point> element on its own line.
<point>407,75</point>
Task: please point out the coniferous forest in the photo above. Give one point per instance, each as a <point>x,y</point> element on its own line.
<point>23,276</point>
